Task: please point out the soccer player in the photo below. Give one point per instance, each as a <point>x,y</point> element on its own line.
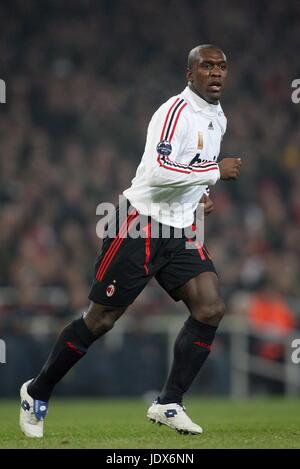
<point>178,166</point>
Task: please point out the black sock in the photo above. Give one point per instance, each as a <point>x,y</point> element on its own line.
<point>71,345</point>
<point>191,349</point>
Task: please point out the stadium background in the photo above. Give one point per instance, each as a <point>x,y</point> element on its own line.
<point>83,78</point>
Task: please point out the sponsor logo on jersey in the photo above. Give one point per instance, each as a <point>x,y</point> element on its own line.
<point>164,148</point>
<point>210,126</point>
<point>197,160</point>
<point>110,290</point>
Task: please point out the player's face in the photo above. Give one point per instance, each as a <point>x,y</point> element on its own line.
<point>208,74</point>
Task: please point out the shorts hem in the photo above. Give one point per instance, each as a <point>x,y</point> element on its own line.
<point>187,279</point>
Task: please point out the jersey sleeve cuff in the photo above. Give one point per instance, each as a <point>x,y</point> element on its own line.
<point>216,175</point>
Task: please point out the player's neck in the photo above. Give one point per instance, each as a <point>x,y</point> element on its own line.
<point>191,87</point>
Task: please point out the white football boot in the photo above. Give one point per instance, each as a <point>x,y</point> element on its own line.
<point>32,414</point>
<point>174,416</point>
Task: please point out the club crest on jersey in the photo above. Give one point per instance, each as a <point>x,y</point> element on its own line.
<point>110,290</point>
<point>164,148</point>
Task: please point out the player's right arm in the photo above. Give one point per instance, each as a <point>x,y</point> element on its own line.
<point>167,139</point>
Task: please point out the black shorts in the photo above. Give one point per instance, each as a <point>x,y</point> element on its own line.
<point>126,264</point>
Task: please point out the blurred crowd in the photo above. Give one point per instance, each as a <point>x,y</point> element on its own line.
<point>83,79</point>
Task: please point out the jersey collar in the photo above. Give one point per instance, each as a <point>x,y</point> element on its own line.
<point>199,104</point>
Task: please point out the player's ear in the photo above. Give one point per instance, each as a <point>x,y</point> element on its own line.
<point>189,75</point>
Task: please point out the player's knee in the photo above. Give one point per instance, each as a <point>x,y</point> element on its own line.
<point>102,324</point>
<point>210,313</point>
<point>105,324</point>
<point>100,319</point>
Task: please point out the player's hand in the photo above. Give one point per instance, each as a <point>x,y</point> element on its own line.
<point>230,168</point>
<point>208,204</point>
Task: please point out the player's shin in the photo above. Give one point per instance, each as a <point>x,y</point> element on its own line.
<point>71,345</point>
<point>191,349</point>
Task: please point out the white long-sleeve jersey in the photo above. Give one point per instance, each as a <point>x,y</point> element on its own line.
<point>180,159</point>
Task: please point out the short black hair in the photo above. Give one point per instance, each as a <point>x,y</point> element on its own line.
<point>195,52</point>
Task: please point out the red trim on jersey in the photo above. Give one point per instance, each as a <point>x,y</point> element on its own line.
<point>171,169</point>
<point>114,246</point>
<point>177,170</point>
<point>167,162</point>
<point>173,130</point>
<point>176,120</point>
<point>203,170</point>
<point>205,164</point>
<point>147,247</point>
<point>166,119</point>
<point>179,165</point>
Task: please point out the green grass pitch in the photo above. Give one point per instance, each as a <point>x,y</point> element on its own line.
<point>118,424</point>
